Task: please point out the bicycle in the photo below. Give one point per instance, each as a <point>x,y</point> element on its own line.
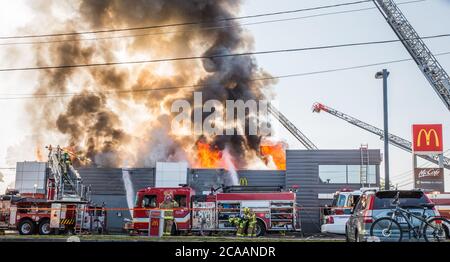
<point>430,228</point>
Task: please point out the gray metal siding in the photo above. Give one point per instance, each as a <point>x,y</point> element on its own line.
<point>203,179</point>
<point>103,181</point>
<point>114,219</point>
<point>142,178</point>
<point>108,188</point>
<point>263,177</point>
<point>302,169</point>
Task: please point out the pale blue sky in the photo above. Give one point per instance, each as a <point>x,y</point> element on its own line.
<point>356,92</point>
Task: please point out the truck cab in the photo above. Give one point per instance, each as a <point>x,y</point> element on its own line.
<point>151,198</point>
<point>335,217</point>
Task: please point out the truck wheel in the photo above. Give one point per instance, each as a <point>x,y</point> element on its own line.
<point>26,227</point>
<point>260,228</point>
<point>44,227</point>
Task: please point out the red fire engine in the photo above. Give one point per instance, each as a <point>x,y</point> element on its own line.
<point>274,210</point>
<point>62,204</point>
<point>442,202</point>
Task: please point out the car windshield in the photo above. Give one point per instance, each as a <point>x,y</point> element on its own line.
<point>384,199</point>
<point>341,200</point>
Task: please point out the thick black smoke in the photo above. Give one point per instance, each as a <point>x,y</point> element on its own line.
<point>92,120</point>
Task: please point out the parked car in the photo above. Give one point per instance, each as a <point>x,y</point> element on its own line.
<point>373,205</point>
<point>336,216</point>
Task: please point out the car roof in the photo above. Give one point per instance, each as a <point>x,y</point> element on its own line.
<point>392,193</point>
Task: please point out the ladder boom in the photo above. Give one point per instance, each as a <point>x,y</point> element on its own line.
<point>308,144</point>
<point>416,47</point>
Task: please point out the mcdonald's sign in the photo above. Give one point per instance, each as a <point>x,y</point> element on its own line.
<point>243,181</point>
<point>431,179</point>
<point>427,139</point>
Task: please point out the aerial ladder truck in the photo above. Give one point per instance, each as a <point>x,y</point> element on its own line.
<point>63,205</point>
<point>425,60</point>
<point>393,139</point>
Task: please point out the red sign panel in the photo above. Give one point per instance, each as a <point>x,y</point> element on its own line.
<point>427,139</point>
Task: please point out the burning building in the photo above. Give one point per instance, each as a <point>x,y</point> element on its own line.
<point>316,173</point>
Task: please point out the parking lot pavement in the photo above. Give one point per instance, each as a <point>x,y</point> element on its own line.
<point>324,237</point>
<point>126,238</point>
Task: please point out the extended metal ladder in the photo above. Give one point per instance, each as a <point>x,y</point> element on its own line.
<point>79,219</point>
<point>416,47</point>
<point>308,144</point>
<point>67,180</point>
<point>364,167</point>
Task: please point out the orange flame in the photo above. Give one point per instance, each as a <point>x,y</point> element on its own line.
<point>207,156</point>
<point>77,157</point>
<point>71,151</point>
<point>38,154</point>
<point>276,153</point>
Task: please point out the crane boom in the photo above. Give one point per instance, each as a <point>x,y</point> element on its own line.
<point>393,139</point>
<point>308,144</point>
<point>425,60</point>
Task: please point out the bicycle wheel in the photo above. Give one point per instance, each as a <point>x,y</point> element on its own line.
<point>386,229</point>
<point>434,230</point>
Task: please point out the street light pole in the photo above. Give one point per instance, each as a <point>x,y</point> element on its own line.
<point>384,75</point>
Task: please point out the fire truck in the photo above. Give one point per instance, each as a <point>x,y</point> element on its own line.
<point>275,210</point>
<point>442,202</point>
<point>58,202</point>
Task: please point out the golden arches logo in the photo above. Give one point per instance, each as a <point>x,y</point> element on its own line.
<point>243,181</point>
<point>427,137</point>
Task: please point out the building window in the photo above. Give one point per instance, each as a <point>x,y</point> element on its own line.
<point>372,175</point>
<point>355,172</point>
<point>333,174</point>
<point>347,174</point>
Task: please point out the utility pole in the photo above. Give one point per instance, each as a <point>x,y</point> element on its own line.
<point>384,75</point>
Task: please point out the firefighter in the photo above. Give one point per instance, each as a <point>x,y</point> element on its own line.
<point>66,157</point>
<point>238,223</point>
<point>65,162</point>
<point>249,223</point>
<point>168,204</point>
